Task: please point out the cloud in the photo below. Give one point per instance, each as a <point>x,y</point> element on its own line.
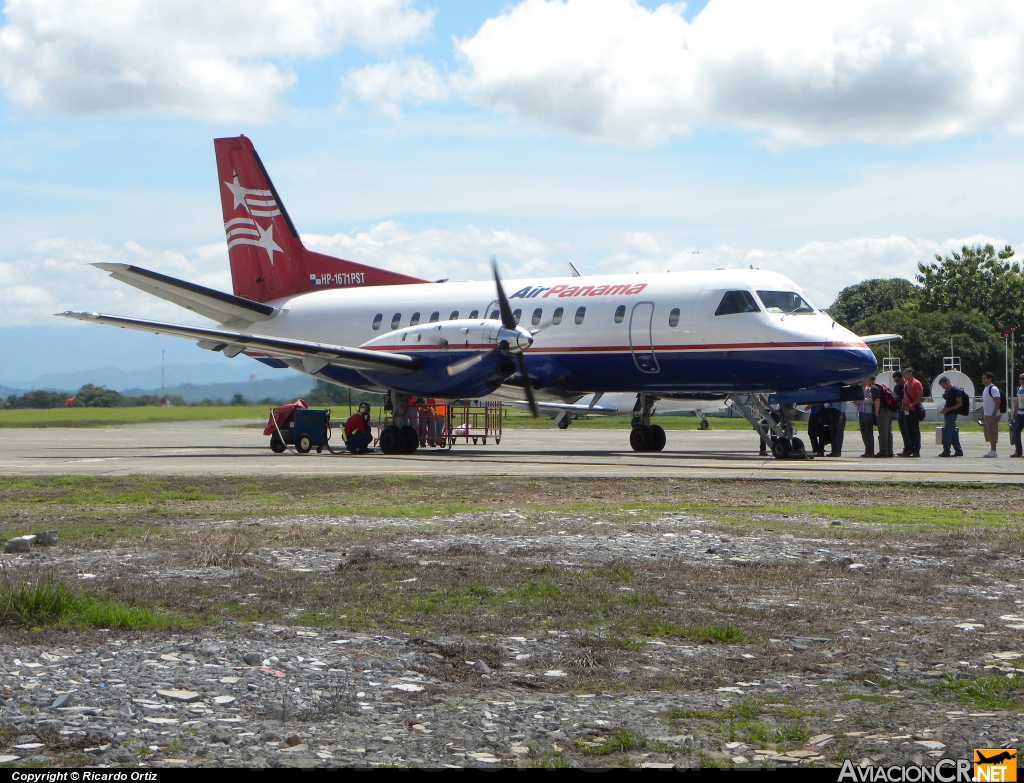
<point>53,275</point>
<point>388,85</point>
<point>822,269</point>
<point>209,58</point>
<point>797,72</point>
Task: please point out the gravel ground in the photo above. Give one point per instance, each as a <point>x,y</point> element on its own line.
<point>858,642</point>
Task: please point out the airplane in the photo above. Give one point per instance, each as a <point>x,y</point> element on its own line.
<point>1005,755</point>
<point>745,338</point>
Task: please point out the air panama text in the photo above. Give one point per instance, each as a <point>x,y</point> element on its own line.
<point>564,291</point>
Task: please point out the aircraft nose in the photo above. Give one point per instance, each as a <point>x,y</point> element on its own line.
<point>866,362</point>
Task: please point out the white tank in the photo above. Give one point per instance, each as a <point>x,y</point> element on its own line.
<point>956,378</point>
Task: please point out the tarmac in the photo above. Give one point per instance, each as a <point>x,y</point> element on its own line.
<point>233,448</point>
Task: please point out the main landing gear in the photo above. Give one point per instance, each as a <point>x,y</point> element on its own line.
<point>645,436</point>
<point>399,437</point>
<point>774,427</point>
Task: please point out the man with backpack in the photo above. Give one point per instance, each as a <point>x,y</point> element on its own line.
<point>993,406</point>
<point>886,406</point>
<point>956,401</point>
<point>1017,422</point>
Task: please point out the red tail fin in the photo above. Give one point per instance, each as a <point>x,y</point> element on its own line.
<point>268,260</point>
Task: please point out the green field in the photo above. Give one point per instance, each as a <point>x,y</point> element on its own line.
<point>105,417</point>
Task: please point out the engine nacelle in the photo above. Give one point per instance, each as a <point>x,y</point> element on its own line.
<point>459,335</point>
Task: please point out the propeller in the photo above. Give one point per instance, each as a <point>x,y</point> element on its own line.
<point>509,322</point>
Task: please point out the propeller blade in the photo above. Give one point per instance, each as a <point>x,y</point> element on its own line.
<point>507,319</point>
<point>465,364</point>
<point>528,387</point>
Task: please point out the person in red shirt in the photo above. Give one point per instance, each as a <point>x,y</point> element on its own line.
<point>357,430</point>
<point>913,393</point>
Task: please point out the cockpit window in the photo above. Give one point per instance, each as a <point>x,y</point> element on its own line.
<point>737,302</point>
<point>787,302</point>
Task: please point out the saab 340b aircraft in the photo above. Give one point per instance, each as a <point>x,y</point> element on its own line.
<point>727,335</point>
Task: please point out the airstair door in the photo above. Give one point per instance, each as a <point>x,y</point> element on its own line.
<point>641,338</point>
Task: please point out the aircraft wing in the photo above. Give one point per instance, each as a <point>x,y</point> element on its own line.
<point>233,343</point>
<point>556,407</point>
<point>871,339</point>
<point>232,311</point>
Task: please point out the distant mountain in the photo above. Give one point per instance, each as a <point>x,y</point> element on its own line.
<point>7,391</point>
<point>174,375</point>
<point>287,388</point>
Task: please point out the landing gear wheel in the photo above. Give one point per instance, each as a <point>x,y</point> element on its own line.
<point>704,424</point>
<point>392,440</point>
<point>563,423</point>
<point>412,440</point>
<point>796,447</point>
<point>640,438</point>
<point>780,448</point>
<point>303,444</point>
<point>657,438</point>
<point>276,444</point>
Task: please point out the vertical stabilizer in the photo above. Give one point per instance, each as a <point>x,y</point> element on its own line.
<point>268,260</point>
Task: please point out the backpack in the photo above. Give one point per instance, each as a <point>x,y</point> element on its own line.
<point>888,398</point>
<point>1002,400</point>
<point>965,402</point>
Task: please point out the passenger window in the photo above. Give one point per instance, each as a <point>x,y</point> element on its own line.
<point>376,321</point>
<point>494,314</point>
<point>620,313</point>
<point>415,319</point>
<point>473,314</point>
<point>580,313</point>
<point>454,316</point>
<point>516,315</point>
<point>396,319</point>
<point>673,318</point>
<point>737,302</point>
<point>556,317</point>
<point>536,316</point>
<point>434,316</point>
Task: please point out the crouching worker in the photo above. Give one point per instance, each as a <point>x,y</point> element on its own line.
<point>357,430</point>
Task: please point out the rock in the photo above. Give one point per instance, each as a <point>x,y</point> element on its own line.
<point>481,667</point>
<point>176,694</point>
<point>47,538</point>
<point>293,740</point>
<point>223,699</point>
<point>20,544</point>
<point>64,700</point>
<point>253,659</point>
<point>222,736</point>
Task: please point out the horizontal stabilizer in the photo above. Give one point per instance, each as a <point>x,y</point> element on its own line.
<point>232,343</point>
<point>233,311</point>
<point>871,339</point>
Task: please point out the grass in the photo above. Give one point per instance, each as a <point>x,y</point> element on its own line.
<point>987,692</point>
<point>50,602</point>
<point>109,417</point>
<point>620,741</point>
<point>743,722</point>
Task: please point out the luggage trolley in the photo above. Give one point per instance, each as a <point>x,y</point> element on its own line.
<point>476,419</point>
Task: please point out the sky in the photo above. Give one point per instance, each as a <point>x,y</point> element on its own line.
<point>831,142</point>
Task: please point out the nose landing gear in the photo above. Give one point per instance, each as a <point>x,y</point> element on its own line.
<point>645,436</point>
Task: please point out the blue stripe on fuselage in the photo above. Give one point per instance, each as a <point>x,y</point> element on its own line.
<point>747,370</point>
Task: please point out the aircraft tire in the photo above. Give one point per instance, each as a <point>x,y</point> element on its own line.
<point>276,444</point>
<point>780,448</point>
<point>303,444</point>
<point>640,438</point>
<point>797,447</point>
<point>658,438</point>
<point>392,440</point>
<point>563,423</point>
<point>412,440</point>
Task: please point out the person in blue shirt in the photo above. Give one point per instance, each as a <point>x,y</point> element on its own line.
<point>951,409</point>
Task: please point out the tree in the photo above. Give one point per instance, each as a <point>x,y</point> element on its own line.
<point>976,279</point>
<point>870,297</point>
<point>926,340</point>
<point>325,393</point>
<point>101,397</point>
